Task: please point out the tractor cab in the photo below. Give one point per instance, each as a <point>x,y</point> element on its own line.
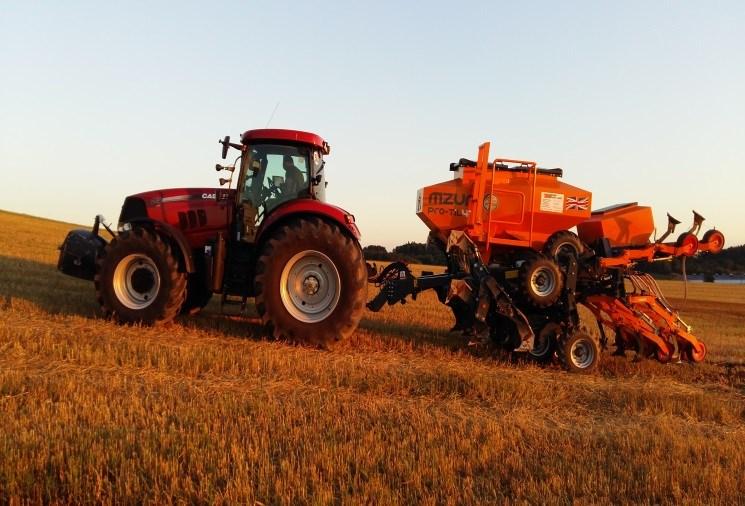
<point>276,166</point>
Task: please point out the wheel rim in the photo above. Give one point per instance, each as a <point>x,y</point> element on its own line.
<point>542,342</point>
<point>582,354</point>
<point>715,241</point>
<point>542,282</point>
<point>136,281</point>
<point>697,355</point>
<point>566,248</point>
<point>310,286</point>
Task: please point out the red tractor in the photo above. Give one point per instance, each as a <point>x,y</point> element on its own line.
<point>272,237</point>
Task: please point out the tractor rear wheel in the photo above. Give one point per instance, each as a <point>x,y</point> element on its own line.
<point>541,281</point>
<point>311,283</point>
<point>579,352</point>
<point>138,279</point>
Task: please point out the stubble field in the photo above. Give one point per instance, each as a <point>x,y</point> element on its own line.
<point>208,410</point>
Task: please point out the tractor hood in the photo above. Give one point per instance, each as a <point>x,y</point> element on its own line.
<point>197,212</point>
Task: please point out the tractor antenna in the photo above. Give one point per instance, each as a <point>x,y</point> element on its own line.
<point>272,115</point>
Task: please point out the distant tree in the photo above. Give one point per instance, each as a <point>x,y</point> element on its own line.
<point>419,253</point>
<point>376,252</point>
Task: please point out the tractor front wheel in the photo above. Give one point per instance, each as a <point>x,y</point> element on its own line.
<point>311,283</point>
<point>138,279</point>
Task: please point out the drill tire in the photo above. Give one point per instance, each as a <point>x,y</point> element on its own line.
<point>579,352</point>
<point>541,281</point>
<point>563,241</point>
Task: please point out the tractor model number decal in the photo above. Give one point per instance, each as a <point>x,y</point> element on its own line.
<point>552,202</point>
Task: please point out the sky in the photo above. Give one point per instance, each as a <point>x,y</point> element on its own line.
<point>636,101</point>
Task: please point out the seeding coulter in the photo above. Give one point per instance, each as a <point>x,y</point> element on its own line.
<point>516,272</point>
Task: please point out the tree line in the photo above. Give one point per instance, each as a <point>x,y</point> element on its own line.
<point>411,252</point>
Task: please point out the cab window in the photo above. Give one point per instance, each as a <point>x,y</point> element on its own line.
<point>275,174</point>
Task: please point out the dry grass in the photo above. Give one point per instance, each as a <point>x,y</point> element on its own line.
<point>206,410</point>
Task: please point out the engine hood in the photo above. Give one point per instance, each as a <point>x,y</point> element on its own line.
<point>199,213</point>
<point>158,197</point>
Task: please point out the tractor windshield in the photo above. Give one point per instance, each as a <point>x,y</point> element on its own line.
<point>275,174</point>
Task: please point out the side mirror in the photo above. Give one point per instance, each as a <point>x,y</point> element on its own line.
<point>225,145</point>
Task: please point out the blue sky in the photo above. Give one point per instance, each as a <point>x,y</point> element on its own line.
<point>637,101</point>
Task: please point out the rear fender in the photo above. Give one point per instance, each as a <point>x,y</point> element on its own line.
<point>308,207</point>
<point>175,236</point>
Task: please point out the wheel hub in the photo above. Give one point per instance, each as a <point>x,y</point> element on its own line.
<point>542,282</point>
<point>136,281</point>
<point>142,280</point>
<point>582,354</point>
<point>310,286</point>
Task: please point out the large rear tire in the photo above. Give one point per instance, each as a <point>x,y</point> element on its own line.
<point>311,283</point>
<point>138,279</point>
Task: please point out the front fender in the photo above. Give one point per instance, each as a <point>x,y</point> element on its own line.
<point>175,235</point>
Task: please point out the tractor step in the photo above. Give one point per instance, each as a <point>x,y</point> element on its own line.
<point>229,300</point>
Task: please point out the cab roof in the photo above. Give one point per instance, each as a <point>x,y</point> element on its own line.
<point>282,135</point>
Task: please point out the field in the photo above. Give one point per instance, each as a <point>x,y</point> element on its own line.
<point>207,410</point>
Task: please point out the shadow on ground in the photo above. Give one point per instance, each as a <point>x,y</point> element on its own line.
<point>56,293</point>
<point>44,286</point>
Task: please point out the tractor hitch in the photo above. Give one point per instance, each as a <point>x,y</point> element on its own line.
<point>474,295</point>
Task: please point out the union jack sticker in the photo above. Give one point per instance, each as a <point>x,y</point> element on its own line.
<point>578,203</point>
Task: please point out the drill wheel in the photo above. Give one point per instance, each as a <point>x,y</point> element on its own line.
<point>579,352</point>
<point>541,281</point>
<point>563,243</point>
<point>545,342</point>
<point>692,355</point>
